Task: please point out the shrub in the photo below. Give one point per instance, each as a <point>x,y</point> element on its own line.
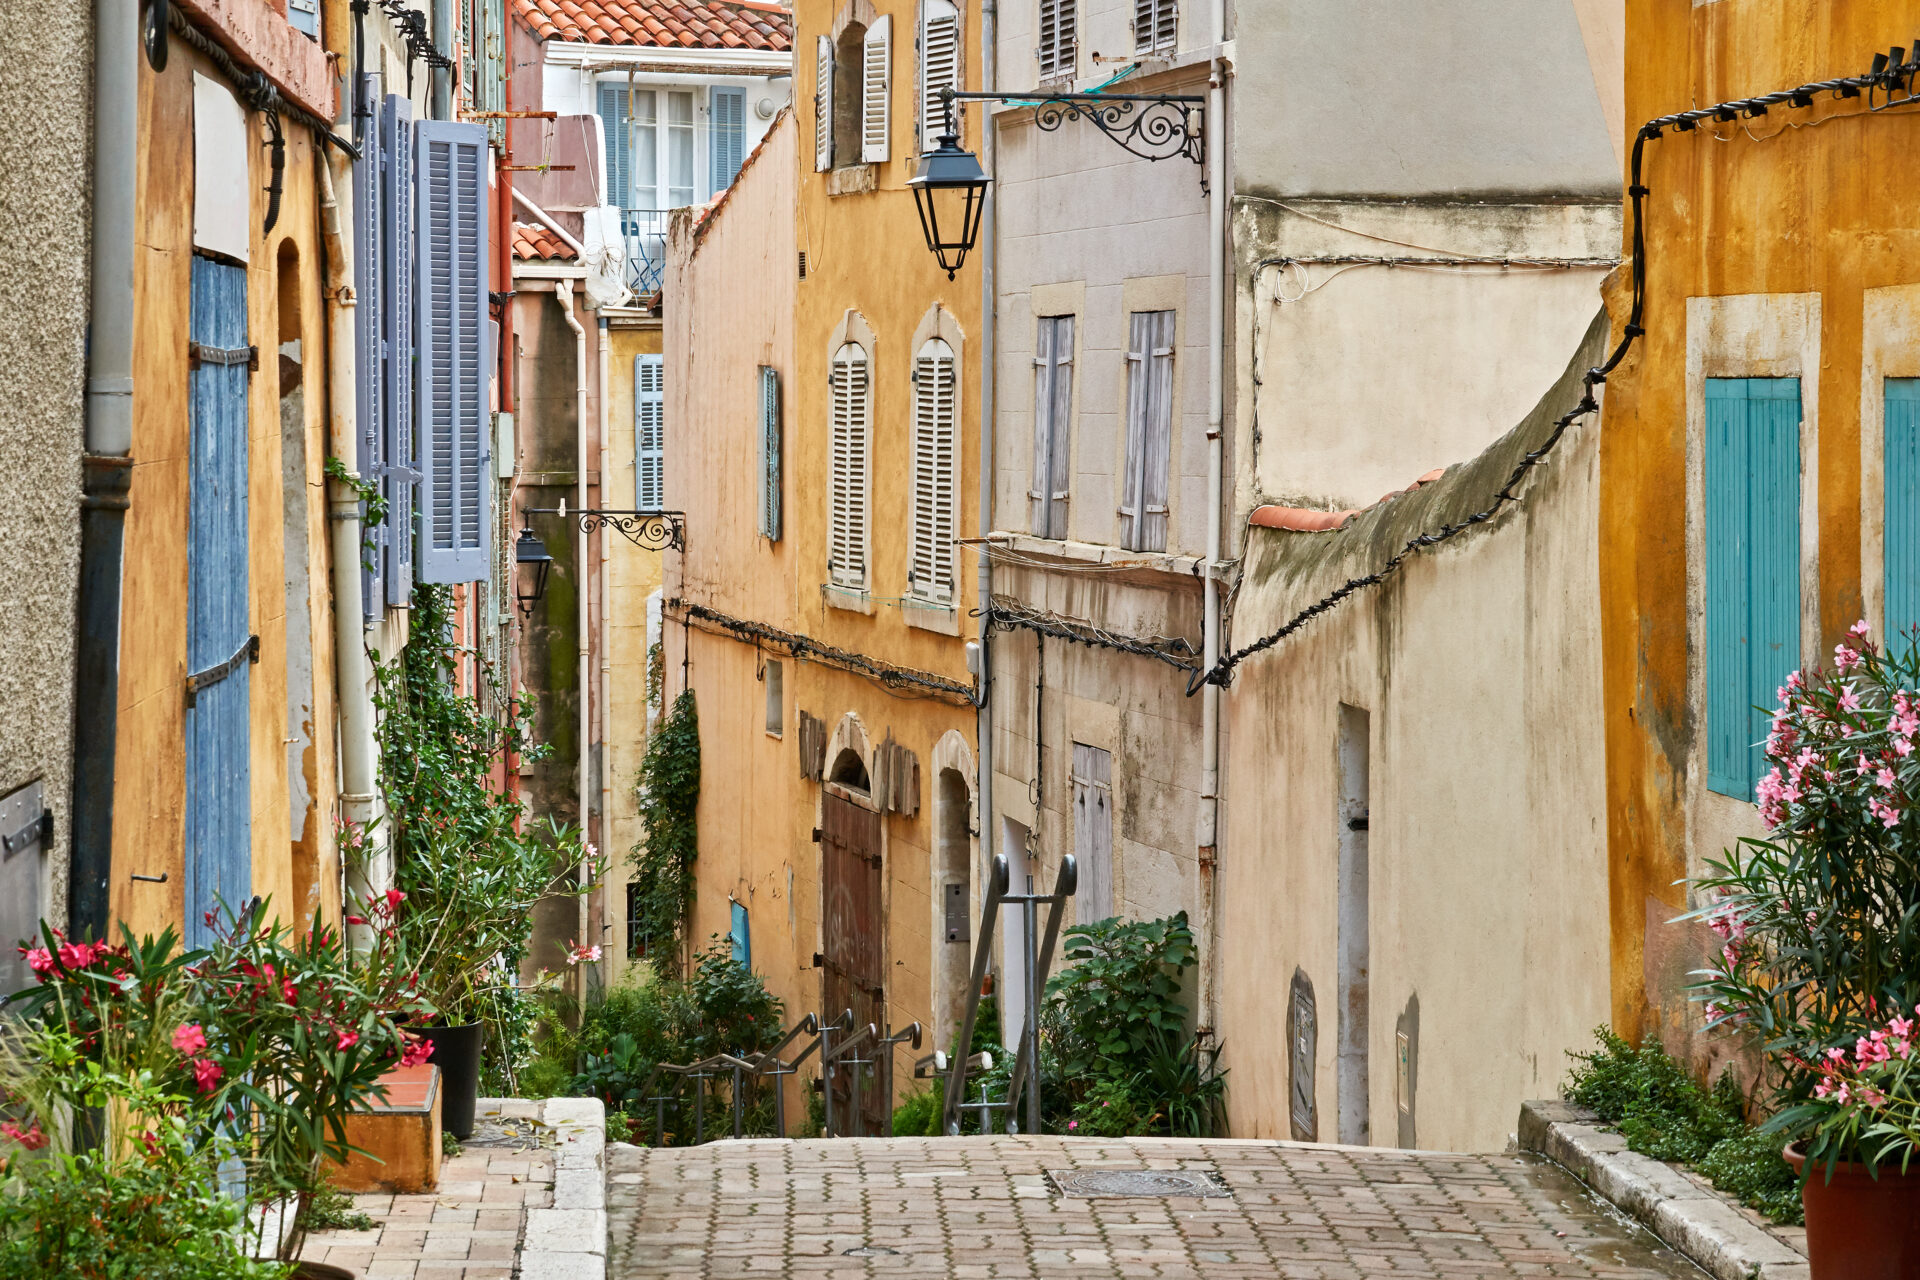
<point>918,1115</point>
<point>669,791</point>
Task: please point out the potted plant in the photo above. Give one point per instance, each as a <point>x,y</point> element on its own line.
<point>1819,966</point>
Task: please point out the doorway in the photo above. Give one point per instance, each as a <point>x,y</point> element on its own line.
<point>853,974</point>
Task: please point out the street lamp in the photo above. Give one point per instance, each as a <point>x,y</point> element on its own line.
<point>950,191</point>
<point>530,554</point>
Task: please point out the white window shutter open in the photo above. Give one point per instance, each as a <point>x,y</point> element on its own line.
<point>1059,49</point>
<point>850,413</point>
<point>769,453</point>
<point>1156,26</point>
<point>450,332</point>
<point>876,84</point>
<point>939,66</point>
<point>1159,436</point>
<point>823,104</point>
<point>1052,424</point>
<point>649,433</point>
<point>726,131</point>
<point>935,449</point>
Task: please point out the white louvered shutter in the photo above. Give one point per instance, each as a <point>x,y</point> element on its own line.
<point>649,433</point>
<point>1093,832</point>
<point>1159,435</point>
<point>847,488</point>
<point>769,453</point>
<point>935,450</point>
<point>823,104</point>
<point>876,84</point>
<point>452,373</point>
<point>1052,424</point>
<point>939,67</point>
<point>1059,50</point>
<point>398,475</point>
<point>1156,26</point>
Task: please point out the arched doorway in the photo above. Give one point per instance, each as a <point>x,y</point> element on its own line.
<point>853,964</point>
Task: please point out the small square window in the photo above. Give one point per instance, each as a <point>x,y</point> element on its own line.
<point>773,678</point>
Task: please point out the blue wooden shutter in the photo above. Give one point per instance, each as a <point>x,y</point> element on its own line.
<point>452,449</point>
<point>219,802</point>
<point>397,476</point>
<point>769,453</point>
<point>1902,509</point>
<point>369,223</point>
<point>727,130</point>
<point>649,433</point>
<point>613,122</point>
<point>1752,570</point>
<point>742,937</point>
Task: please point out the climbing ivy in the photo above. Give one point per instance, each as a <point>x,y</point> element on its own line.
<point>669,792</point>
<point>374,501</point>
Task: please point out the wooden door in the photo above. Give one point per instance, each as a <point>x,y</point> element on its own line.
<point>853,965</point>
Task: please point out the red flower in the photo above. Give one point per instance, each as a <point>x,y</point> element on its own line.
<point>416,1052</point>
<point>206,1074</point>
<point>394,899</point>
<point>190,1039</point>
<point>356,919</point>
<point>40,960</point>
<point>348,1039</point>
<point>32,1139</point>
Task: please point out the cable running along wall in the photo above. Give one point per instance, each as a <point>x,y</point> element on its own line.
<point>1893,73</point>
<point>896,679</point>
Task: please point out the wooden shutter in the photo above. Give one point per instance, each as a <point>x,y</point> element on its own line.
<point>939,66</point>
<point>823,104</point>
<point>741,937</point>
<point>1093,832</point>
<point>1143,500</point>
<point>1902,509</point>
<point>369,222</point>
<point>398,475</point>
<point>1059,49</point>
<point>726,131</point>
<point>847,487</point>
<point>218,736</point>
<point>1156,26</point>
<point>769,453</point>
<point>451,333</point>
<point>649,433</point>
<point>1052,424</point>
<point>935,424</point>
<point>613,123</point>
<point>1752,570</point>
<point>876,85</point>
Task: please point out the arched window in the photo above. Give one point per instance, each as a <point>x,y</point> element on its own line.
<point>850,417</point>
<point>936,427</point>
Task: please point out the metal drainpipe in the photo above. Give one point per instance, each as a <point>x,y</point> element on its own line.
<point>107,464</point>
<point>441,106</point>
<point>1209,820</point>
<point>606,654</point>
<point>351,671</point>
<point>983,732</point>
<point>563,290</point>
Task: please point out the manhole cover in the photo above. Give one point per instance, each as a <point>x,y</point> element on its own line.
<point>1089,1184</point>
<point>870,1251</point>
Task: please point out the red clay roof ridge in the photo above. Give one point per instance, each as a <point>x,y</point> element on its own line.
<point>1310,520</point>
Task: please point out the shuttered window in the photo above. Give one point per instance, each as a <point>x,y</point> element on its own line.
<point>850,413</point>
<point>727,136</point>
<point>370,222</point>
<point>939,67</point>
<point>936,413</point>
<point>741,937</point>
<point>649,433</point>
<point>1052,424</point>
<point>1059,49</point>
<point>1143,483</point>
<point>1752,570</point>
<point>876,83</point>
<point>1156,26</point>
<point>613,122</point>
<point>1902,511</point>
<point>770,444</point>
<point>823,104</point>
<point>1093,832</point>
<point>453,447</point>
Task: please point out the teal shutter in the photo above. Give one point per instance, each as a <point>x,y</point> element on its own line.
<point>742,938</point>
<point>769,453</point>
<point>613,121</point>
<point>452,445</point>
<point>649,433</point>
<point>727,132</point>
<point>1752,570</point>
<point>1902,511</point>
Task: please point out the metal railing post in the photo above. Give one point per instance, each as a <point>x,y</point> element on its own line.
<point>956,1091</point>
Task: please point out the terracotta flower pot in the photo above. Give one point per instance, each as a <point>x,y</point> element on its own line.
<point>1859,1226</point>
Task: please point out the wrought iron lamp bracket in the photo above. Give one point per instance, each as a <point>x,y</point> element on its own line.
<point>648,530</point>
<point>1153,126</point>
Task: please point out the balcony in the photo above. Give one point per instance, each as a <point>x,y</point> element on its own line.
<point>646,235</point>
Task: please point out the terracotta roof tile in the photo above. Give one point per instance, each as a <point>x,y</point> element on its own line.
<point>533,243</point>
<point>1308,520</point>
<point>733,24</point>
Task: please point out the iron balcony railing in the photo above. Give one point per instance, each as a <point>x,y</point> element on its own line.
<point>646,235</point>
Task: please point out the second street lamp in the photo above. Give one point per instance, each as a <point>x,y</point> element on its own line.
<point>950,191</point>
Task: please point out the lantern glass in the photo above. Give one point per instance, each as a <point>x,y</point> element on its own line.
<point>531,555</point>
<point>950,192</point>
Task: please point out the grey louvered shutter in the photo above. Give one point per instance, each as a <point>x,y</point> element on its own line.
<point>613,123</point>
<point>1093,832</point>
<point>1052,424</point>
<point>1143,501</point>
<point>451,332</point>
<point>1156,26</point>
<point>1059,49</point>
<point>727,132</point>
<point>769,453</point>
<point>649,433</point>
<point>935,426</point>
<point>369,335</point>
<point>397,476</point>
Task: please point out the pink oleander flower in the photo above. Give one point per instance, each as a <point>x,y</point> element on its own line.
<point>40,960</point>
<point>356,919</point>
<point>190,1039</point>
<point>206,1075</point>
<point>1902,1028</point>
<point>1849,700</point>
<point>394,899</point>
<point>1858,631</point>
<point>1868,1051</point>
<point>31,1138</point>
<point>416,1052</point>
<point>1845,659</point>
<point>577,953</point>
<point>348,1039</point>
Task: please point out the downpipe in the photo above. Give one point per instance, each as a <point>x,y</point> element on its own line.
<point>563,291</point>
<point>606,653</point>
<point>983,726</point>
<point>1207,837</point>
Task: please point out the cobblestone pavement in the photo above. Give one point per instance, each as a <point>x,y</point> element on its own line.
<point>974,1207</point>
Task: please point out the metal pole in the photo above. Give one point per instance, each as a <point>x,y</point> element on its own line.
<point>699,1108</point>
<point>826,1081</point>
<point>1032,1033</point>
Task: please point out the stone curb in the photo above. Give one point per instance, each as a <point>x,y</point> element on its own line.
<point>1694,1219</point>
<point>569,1240</point>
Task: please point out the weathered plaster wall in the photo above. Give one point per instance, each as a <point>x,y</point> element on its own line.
<point>1745,223</point>
<point>46,190</point>
<point>1479,667</point>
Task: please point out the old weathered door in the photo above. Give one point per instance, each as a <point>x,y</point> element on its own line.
<point>853,976</point>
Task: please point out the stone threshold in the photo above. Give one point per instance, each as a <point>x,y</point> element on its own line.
<point>1721,1236</point>
<point>569,1240</point>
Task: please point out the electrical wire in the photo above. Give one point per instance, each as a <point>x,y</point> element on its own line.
<point>1890,73</point>
<point>895,679</point>
<point>1008,614</point>
<point>260,93</point>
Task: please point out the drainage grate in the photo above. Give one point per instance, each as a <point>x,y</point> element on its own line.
<point>870,1251</point>
<point>1088,1184</point>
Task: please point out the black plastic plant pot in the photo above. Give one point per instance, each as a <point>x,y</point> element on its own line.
<point>456,1051</point>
